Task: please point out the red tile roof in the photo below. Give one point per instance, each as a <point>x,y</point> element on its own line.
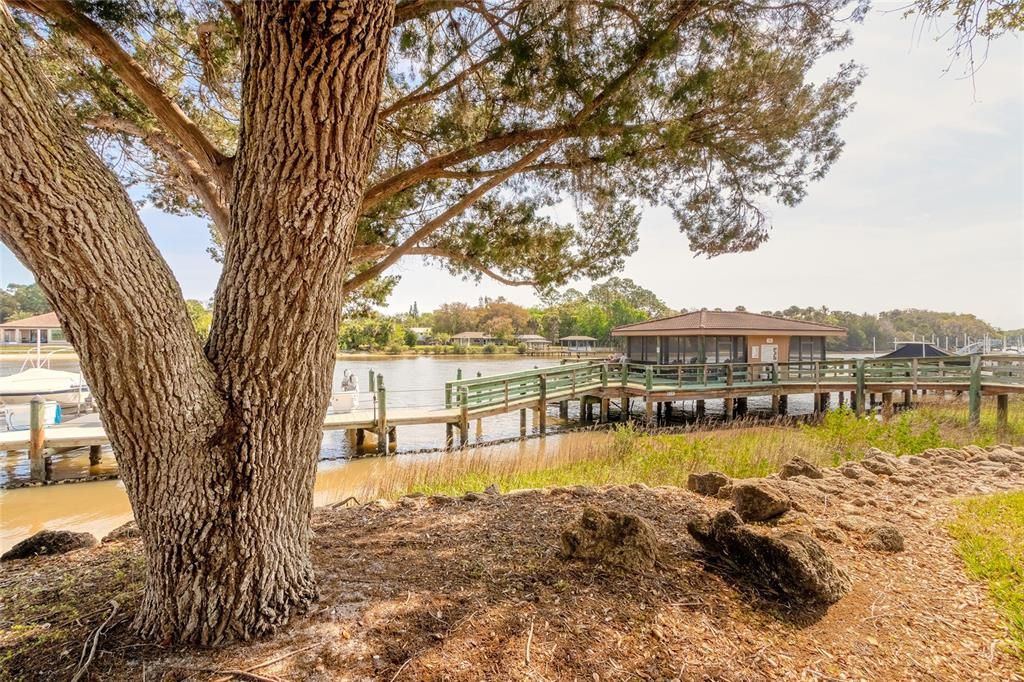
<point>702,322</point>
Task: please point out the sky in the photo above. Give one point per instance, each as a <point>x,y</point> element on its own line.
<point>924,209</point>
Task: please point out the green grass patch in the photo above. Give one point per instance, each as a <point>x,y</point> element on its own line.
<point>990,535</point>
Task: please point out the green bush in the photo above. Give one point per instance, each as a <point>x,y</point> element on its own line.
<point>522,348</point>
<point>490,349</point>
<point>395,349</point>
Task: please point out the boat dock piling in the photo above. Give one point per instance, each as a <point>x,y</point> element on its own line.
<point>602,384</point>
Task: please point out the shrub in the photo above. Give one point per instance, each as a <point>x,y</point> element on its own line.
<point>490,349</point>
<point>522,348</point>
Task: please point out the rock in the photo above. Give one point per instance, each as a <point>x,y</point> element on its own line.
<point>125,531</point>
<point>725,492</point>
<point>49,542</point>
<point>885,538</point>
<point>474,497</point>
<point>830,534</point>
<point>440,500</point>
<point>798,466</point>
<point>904,480</point>
<point>707,483</point>
<point>612,538</point>
<point>527,492</point>
<point>852,470</point>
<point>758,500</point>
<point>916,461</point>
<point>854,523</point>
<point>792,564</point>
<point>1004,455</point>
<point>878,467</point>
<point>492,489</point>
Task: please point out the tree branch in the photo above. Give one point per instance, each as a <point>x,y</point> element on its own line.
<point>480,190</point>
<point>215,164</point>
<point>407,10</point>
<point>208,191</point>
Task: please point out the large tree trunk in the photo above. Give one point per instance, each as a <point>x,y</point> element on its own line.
<point>217,451</point>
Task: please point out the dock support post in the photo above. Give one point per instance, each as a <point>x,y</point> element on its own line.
<point>382,418</point>
<point>741,406</point>
<point>886,406</point>
<point>604,410</point>
<point>522,423</point>
<point>624,407</point>
<point>908,397</point>
<point>360,438</point>
<point>824,399</point>
<point>449,436</point>
<point>464,416</point>
<point>858,400</point>
<point>1002,413</point>
<point>842,398</point>
<point>392,437</point>
<point>563,409</point>
<point>94,455</point>
<point>542,404</point>
<point>649,411</point>
<point>974,395</point>
<point>783,404</point>
<point>775,404</point>
<point>479,429</point>
<point>37,439</point>
<point>668,411</point>
<point>700,409</point>
<point>372,382</point>
<point>730,408</point>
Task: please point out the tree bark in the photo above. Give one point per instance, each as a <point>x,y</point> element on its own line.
<point>217,449</point>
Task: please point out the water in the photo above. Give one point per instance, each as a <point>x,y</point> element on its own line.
<point>100,506</point>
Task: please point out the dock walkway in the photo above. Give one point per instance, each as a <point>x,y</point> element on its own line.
<point>597,383</point>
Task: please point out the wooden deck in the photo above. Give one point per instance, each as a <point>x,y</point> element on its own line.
<point>598,382</point>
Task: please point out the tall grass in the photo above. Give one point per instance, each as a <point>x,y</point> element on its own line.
<point>628,455</point>
<point>990,535</point>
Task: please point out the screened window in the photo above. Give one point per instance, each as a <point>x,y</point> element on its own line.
<point>725,348</point>
<point>806,348</point>
<point>635,348</point>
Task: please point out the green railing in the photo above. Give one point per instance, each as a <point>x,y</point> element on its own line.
<point>514,388</point>
<point>562,381</point>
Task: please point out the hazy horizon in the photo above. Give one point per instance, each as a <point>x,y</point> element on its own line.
<point>924,209</point>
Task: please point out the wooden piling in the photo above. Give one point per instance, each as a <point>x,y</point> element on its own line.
<point>858,399</point>
<point>842,398</point>
<point>649,411</point>
<point>563,409</point>
<point>382,417</point>
<point>449,436</point>
<point>783,404</point>
<point>974,395</point>
<point>522,423</point>
<point>908,397</point>
<point>730,408</point>
<point>37,439</point>
<point>94,455</point>
<point>542,406</point>
<point>775,404</point>
<point>700,409</point>
<point>604,410</point>
<point>886,406</point>
<point>1002,413</point>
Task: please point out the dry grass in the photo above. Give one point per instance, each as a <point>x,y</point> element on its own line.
<point>743,449</point>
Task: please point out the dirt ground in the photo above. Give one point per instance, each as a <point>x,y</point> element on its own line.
<point>473,588</point>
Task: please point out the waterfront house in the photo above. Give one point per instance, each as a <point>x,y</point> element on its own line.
<point>42,329</point>
<point>472,339</point>
<point>533,341</point>
<point>706,336</point>
<point>423,334</point>
<point>578,344</point>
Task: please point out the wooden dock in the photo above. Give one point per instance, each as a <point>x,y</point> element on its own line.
<point>596,384</point>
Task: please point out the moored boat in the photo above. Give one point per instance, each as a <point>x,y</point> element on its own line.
<point>65,388</point>
<point>347,399</point>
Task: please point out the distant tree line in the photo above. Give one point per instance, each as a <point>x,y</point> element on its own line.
<point>18,301</point>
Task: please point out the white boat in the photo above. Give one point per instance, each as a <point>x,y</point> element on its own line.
<point>347,399</point>
<point>65,388</point>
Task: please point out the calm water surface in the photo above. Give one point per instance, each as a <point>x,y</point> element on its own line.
<point>98,507</point>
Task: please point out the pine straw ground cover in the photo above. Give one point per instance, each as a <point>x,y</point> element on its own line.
<point>471,588</point>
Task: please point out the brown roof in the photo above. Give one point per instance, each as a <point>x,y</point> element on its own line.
<point>472,335</point>
<point>44,321</point>
<point>577,338</point>
<point>702,322</point>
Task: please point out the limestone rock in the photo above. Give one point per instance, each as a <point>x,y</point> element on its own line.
<point>612,538</point>
<point>853,470</point>
<point>830,534</point>
<point>885,538</point>
<point>758,500</point>
<point>123,532</point>
<point>798,466</point>
<point>878,467</point>
<point>49,542</point>
<point>792,564</point>
<point>707,483</point>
